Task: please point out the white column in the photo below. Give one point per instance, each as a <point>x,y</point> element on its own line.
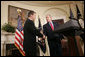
<point>3,46</point>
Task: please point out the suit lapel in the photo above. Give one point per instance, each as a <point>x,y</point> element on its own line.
<point>54,25</point>
<point>49,26</point>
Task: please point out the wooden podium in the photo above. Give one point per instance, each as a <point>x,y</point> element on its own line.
<point>70,30</point>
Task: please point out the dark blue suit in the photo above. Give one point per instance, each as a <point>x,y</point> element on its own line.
<point>54,40</point>
<point>30,33</point>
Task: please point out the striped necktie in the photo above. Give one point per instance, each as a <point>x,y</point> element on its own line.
<point>51,26</point>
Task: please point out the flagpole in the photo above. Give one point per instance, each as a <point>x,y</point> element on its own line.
<point>19,34</point>
<point>69,8</point>
<point>75,8</point>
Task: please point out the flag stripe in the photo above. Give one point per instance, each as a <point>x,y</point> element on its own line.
<point>19,45</point>
<point>22,33</point>
<point>18,37</point>
<point>19,34</point>
<point>18,41</point>
<point>22,52</point>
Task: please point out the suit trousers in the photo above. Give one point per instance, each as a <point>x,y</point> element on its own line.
<point>55,48</point>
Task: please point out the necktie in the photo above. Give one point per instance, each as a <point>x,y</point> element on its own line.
<point>51,26</point>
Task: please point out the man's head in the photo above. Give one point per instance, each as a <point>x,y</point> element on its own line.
<point>48,18</point>
<point>32,15</point>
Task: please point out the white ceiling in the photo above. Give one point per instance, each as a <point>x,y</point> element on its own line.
<point>47,3</point>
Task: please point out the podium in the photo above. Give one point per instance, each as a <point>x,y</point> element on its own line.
<point>71,30</point>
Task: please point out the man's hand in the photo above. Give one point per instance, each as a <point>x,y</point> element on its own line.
<point>44,37</point>
<point>41,32</point>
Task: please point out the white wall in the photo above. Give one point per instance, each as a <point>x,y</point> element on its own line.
<point>41,11</point>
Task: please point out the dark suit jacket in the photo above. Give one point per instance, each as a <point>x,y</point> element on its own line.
<point>49,33</point>
<point>54,40</point>
<point>30,33</point>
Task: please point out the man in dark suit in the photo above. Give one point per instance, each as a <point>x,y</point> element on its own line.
<point>30,33</point>
<point>54,40</point>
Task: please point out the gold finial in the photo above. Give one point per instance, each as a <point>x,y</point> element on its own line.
<point>19,11</point>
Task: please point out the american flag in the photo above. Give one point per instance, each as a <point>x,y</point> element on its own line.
<point>19,36</point>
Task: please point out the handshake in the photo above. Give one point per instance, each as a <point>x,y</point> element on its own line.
<point>44,37</point>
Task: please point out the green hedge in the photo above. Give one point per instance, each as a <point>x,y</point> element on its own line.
<point>8,28</point>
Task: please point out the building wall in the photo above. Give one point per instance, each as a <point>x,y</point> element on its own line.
<point>58,11</point>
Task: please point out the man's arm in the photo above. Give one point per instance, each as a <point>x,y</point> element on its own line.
<point>44,31</point>
<point>33,29</point>
<point>61,36</point>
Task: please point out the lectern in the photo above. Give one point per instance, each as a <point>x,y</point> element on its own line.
<point>71,30</point>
